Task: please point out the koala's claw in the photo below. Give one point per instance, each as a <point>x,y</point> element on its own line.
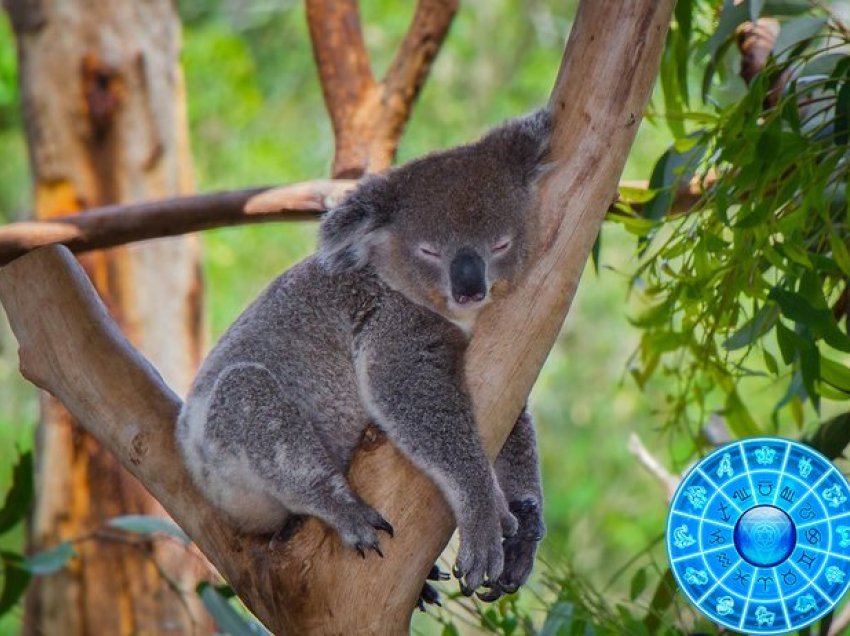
<point>436,574</point>
<point>429,595</point>
<point>383,524</point>
<point>362,547</point>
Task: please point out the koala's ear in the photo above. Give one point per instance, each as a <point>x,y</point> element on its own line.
<point>523,143</point>
<point>350,231</point>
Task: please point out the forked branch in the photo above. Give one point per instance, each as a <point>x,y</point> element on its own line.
<point>310,584</point>
<point>368,117</point>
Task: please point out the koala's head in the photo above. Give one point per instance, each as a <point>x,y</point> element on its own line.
<point>451,230</point>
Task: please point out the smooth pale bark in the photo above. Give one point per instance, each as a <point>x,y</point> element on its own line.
<point>104,112</point>
<point>311,584</point>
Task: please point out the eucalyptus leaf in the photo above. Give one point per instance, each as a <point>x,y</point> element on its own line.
<point>49,561</point>
<point>148,525</point>
<point>797,31</point>
<point>560,617</point>
<point>20,495</point>
<point>228,620</point>
<point>14,582</point>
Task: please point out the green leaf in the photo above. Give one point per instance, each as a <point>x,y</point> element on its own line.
<point>15,580</point>
<point>842,115</point>
<point>835,374</point>
<point>638,584</point>
<point>787,7</point>
<point>840,254</point>
<point>671,170</point>
<point>661,601</point>
<point>20,495</point>
<point>594,252</point>
<point>796,31</point>
<point>228,620</point>
<point>754,328</point>
<point>49,561</point>
<point>149,524</point>
<point>754,7</point>
<point>730,18</point>
<point>560,616</point>
<point>832,436</point>
<point>450,630</point>
<point>819,320</point>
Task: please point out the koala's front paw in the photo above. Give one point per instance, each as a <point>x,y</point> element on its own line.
<point>519,550</point>
<point>357,524</point>
<point>480,556</point>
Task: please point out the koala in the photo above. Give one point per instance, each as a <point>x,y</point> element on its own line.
<point>373,328</point>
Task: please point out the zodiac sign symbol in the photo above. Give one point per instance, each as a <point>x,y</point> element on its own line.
<point>765,488</point>
<point>742,494</point>
<point>806,560</point>
<point>723,514</point>
<point>764,616</point>
<point>807,512</point>
<point>789,578</point>
<point>844,532</point>
<point>813,535</point>
<point>834,575</point>
<point>765,455</point>
<point>741,577</point>
<point>696,495</point>
<point>725,605</point>
<point>682,537</point>
<point>834,495</point>
<point>724,560</point>
<point>805,603</point>
<point>804,467</point>
<point>725,467</point>
<point>788,494</point>
<point>696,577</point>
<point>765,581</point>
<point>716,537</point>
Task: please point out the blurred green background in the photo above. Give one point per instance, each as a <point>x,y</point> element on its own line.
<point>257,118</point>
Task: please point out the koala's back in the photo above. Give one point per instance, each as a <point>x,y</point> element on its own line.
<point>295,340</point>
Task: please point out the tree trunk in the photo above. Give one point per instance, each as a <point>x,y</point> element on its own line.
<point>104,110</point>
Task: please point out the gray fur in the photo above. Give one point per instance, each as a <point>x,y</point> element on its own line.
<point>372,329</point>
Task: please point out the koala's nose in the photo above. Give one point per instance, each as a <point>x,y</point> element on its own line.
<point>467,276</point>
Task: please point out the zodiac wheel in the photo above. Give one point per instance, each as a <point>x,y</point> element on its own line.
<point>758,535</point>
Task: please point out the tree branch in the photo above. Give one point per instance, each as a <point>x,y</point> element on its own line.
<point>113,225</point>
<point>311,583</point>
<point>368,117</point>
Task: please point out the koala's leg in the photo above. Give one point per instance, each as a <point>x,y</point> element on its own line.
<point>250,416</point>
<point>518,471</point>
<point>419,402</point>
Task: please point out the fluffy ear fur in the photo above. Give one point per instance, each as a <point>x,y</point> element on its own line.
<point>524,143</point>
<point>350,231</point>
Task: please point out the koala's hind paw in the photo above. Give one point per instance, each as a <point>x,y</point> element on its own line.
<point>480,556</point>
<point>357,528</point>
<point>519,550</point>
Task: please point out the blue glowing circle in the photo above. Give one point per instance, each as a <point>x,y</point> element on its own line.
<point>758,536</point>
<point>765,536</point>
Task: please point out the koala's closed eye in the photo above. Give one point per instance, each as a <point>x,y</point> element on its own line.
<point>501,246</point>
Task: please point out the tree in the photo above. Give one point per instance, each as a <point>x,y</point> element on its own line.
<point>103,97</point>
<point>312,582</point>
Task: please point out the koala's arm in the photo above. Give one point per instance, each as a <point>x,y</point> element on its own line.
<point>411,380</point>
<point>518,470</point>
